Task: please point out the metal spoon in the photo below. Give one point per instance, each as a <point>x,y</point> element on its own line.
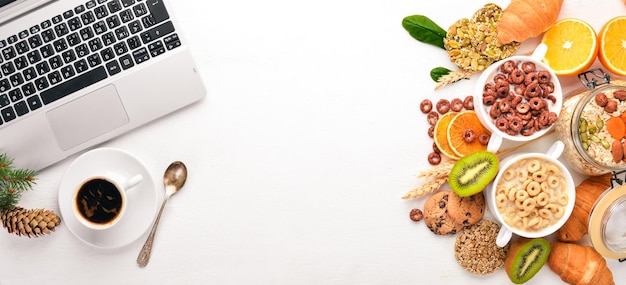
<point>174,178</point>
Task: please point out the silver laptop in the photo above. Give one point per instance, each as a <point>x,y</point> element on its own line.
<point>75,73</point>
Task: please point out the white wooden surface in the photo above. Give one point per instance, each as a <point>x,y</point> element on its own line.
<point>298,157</point>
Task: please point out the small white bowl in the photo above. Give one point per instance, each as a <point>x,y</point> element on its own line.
<point>506,231</point>
<point>482,111</point>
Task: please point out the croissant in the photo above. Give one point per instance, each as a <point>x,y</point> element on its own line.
<point>587,192</point>
<point>524,19</point>
<point>579,264</point>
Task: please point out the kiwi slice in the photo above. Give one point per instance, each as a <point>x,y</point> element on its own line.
<point>473,172</point>
<point>525,258</point>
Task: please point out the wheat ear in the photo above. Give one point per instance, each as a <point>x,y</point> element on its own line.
<point>436,176</point>
<point>452,77</point>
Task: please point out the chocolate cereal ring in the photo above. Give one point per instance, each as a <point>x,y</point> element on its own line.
<point>508,66</point>
<point>468,103</point>
<point>517,76</point>
<point>522,108</point>
<point>543,76</point>
<point>469,136</point>
<point>432,118</point>
<point>456,105</point>
<point>484,138</point>
<point>499,78</point>
<point>537,103</point>
<point>515,123</point>
<point>532,90</point>
<point>434,158</point>
<point>443,106</point>
<point>426,106</point>
<point>528,67</point>
<point>530,78</point>
<point>502,124</point>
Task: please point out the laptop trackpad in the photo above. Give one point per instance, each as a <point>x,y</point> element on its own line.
<point>87,117</point>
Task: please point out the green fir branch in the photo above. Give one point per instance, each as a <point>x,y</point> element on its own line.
<point>13,182</point>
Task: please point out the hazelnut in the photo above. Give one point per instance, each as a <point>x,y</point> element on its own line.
<point>620,95</point>
<point>601,99</point>
<point>611,106</point>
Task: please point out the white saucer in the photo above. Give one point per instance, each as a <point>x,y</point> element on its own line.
<point>143,199</point>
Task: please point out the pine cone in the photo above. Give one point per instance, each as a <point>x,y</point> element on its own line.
<point>29,223</point>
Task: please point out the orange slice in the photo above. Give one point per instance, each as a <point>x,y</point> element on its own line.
<point>463,122</point>
<point>441,135</point>
<point>572,46</point>
<point>612,42</point>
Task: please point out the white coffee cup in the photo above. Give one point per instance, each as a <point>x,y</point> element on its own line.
<point>99,202</point>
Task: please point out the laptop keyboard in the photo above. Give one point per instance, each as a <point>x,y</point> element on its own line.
<point>78,48</point>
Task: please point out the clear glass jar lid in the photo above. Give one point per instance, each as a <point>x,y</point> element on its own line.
<point>607,223</point>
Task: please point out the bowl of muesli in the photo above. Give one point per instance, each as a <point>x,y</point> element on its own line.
<point>592,124</point>
<point>518,98</point>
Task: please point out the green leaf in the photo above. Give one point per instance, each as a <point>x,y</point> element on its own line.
<point>438,72</point>
<point>424,30</point>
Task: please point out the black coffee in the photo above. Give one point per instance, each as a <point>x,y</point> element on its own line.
<point>99,201</point>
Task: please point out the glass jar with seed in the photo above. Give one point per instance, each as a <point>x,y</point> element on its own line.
<point>592,124</point>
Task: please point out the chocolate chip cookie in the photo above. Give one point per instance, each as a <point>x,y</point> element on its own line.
<point>466,210</point>
<point>436,214</point>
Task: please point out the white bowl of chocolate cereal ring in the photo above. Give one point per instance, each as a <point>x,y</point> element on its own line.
<point>518,98</point>
<point>532,196</point>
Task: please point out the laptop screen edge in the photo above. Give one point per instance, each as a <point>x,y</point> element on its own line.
<point>19,7</point>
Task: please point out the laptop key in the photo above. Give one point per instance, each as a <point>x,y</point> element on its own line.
<point>157,32</point>
<point>21,108</point>
<point>4,85</point>
<point>54,77</point>
<point>101,12</point>
<point>34,102</point>
<point>157,10</point>
<point>141,55</point>
<point>113,67</point>
<point>68,87</point>
<point>28,89</point>
<point>15,95</point>
<point>4,100</point>
<point>8,114</point>
<point>114,6</point>
<point>126,61</point>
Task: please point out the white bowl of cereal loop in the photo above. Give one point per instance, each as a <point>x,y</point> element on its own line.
<point>532,196</point>
<point>518,98</point>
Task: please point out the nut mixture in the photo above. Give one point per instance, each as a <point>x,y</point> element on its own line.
<point>593,134</point>
<point>472,43</point>
<point>519,98</point>
<point>475,248</point>
<point>531,194</point>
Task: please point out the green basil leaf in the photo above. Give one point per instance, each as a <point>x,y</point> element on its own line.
<point>438,72</point>
<point>424,30</point>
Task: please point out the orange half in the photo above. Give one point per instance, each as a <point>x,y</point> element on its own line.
<point>612,42</point>
<point>572,46</point>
